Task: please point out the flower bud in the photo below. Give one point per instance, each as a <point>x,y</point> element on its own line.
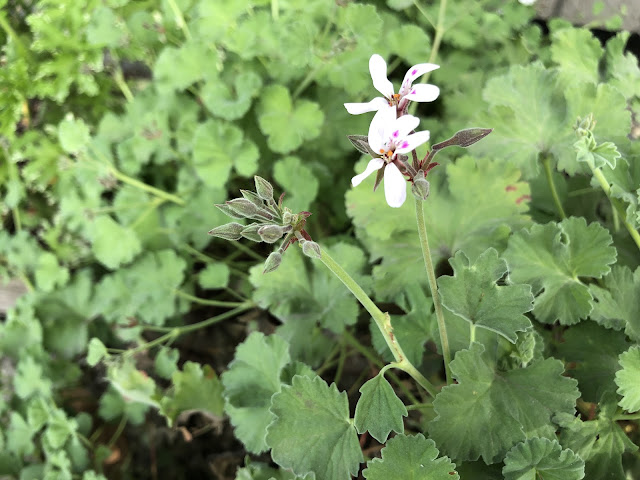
<point>271,233</point>
<point>273,262</point>
<point>242,206</point>
<point>287,218</point>
<point>263,188</point>
<point>224,208</point>
<point>464,138</point>
<point>229,231</point>
<point>251,232</point>
<point>311,249</point>
<point>420,187</point>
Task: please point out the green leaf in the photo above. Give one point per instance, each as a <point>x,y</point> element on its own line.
<point>622,66</point>
<point>261,471</point>
<point>473,207</point>
<point>524,400</point>
<point>298,181</point>
<point>194,388</point>
<point>286,125</point>
<point>30,379</point>
<point>96,352</point>
<point>473,294</point>
<point>602,154</point>
<point>600,442</point>
<point>214,275</point>
<point>591,353</point>
<point>552,258</point>
<point>105,28</point>
<point>409,42</point>
<point>578,53</point>
<point>379,410</point>
<point>627,379</point>
<point>618,301</point>
<point>133,384</point>
<point>113,406</point>
<point>49,273</point>
<point>73,134</point>
<point>543,459</point>
<point>166,361</point>
<point>230,102</point>
<point>253,377</point>
<point>59,428</point>
<point>178,68</point>
<point>312,432</point>
<point>410,457</point>
<point>217,147</point>
<point>113,244</point>
<point>144,290</point>
<point>20,441</point>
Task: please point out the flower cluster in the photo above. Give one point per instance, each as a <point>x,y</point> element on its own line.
<point>392,130</point>
<point>271,221</point>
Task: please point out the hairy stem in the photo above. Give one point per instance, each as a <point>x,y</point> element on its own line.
<point>597,173</point>
<point>382,321</point>
<point>546,162</point>
<point>431,274</point>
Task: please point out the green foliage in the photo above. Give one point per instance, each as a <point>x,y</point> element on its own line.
<point>626,379</point>
<point>525,400</point>
<point>410,457</point>
<point>311,406</point>
<point>473,294</point>
<point>379,410</point>
<point>542,458</point>
<point>552,258</point>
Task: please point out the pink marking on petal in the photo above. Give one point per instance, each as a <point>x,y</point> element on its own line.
<point>413,92</point>
<point>396,133</point>
<point>414,71</point>
<point>405,144</point>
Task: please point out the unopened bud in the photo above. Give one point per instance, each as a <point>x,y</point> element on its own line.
<point>250,232</point>
<point>263,188</point>
<point>464,138</point>
<point>252,197</point>
<point>311,249</point>
<point>420,187</point>
<point>243,207</point>
<point>287,217</point>
<point>273,262</point>
<point>229,231</point>
<point>224,208</point>
<point>271,233</point>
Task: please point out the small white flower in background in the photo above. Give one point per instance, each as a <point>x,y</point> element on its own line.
<point>527,2</point>
<point>389,136</point>
<point>408,91</point>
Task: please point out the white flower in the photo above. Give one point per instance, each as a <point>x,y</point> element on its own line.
<point>408,91</point>
<point>527,2</point>
<point>390,136</point>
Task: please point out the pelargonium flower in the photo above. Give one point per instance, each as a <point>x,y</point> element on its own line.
<point>408,91</point>
<point>388,137</point>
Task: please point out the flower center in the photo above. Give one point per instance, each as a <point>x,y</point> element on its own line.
<point>394,100</point>
<point>388,153</point>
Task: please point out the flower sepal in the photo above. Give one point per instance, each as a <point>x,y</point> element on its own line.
<point>420,187</point>
<point>361,143</point>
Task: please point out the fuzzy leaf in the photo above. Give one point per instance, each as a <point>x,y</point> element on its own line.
<point>298,181</point>
<point>473,294</point>
<point>379,410</point>
<point>618,303</point>
<point>524,400</point>
<point>543,459</point>
<point>286,125</point>
<point>628,379</point>
<point>113,244</point>
<point>312,431</point>
<point>552,258</point>
<point>253,377</point>
<point>410,457</point>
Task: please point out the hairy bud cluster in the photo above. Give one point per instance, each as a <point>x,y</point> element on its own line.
<point>270,223</point>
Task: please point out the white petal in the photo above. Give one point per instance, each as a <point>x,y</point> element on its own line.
<point>401,127</point>
<point>415,72</point>
<point>372,106</point>
<point>379,125</point>
<point>395,186</point>
<point>413,141</point>
<point>423,93</point>
<point>372,166</point>
<point>378,70</point>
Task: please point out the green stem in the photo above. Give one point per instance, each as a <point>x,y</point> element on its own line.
<point>143,186</point>
<point>382,321</point>
<point>424,13</point>
<point>546,161</point>
<point>472,334</point>
<point>597,173</point>
<point>204,301</point>
<point>373,359</point>
<point>431,274</point>
<point>122,84</point>
<point>182,25</point>
<point>627,416</point>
